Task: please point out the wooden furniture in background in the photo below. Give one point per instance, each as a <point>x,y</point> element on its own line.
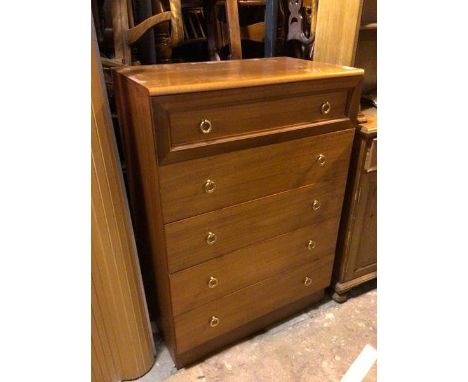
<point>237,172</point>
<point>126,33</point>
<point>346,34</point>
<point>356,253</point>
<point>264,31</point>
<point>122,342</point>
<point>337,31</point>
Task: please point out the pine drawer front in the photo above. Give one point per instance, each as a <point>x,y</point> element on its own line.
<point>222,315</point>
<point>203,237</point>
<point>218,277</point>
<point>216,115</point>
<point>197,186</point>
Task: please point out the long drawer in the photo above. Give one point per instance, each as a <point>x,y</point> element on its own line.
<point>220,276</point>
<point>202,185</point>
<point>222,315</point>
<point>220,115</point>
<point>203,237</point>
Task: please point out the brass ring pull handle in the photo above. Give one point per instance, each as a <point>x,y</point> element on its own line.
<point>311,245</point>
<point>209,186</point>
<point>325,108</point>
<point>214,321</point>
<point>321,160</point>
<point>211,238</point>
<point>307,281</point>
<point>316,205</point>
<point>212,282</point>
<point>205,126</point>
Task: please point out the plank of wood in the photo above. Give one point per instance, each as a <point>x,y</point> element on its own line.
<point>232,15</point>
<point>337,31</point>
<point>120,27</point>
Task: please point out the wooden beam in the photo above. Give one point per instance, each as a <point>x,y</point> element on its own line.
<point>232,14</point>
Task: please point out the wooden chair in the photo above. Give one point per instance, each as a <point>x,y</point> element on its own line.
<point>126,33</point>
<point>261,32</point>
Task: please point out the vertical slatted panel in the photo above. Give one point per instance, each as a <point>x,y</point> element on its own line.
<point>122,343</point>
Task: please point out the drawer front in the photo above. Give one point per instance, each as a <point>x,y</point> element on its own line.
<point>218,277</point>
<point>186,125</point>
<point>199,325</point>
<point>249,174</point>
<point>194,240</point>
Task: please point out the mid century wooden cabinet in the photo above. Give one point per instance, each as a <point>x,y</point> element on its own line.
<point>237,171</point>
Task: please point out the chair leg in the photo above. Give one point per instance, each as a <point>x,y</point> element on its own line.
<point>212,30</point>
<point>123,53</point>
<point>232,14</point>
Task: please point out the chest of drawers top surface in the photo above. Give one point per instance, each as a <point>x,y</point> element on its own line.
<point>200,109</point>
<point>216,75</point>
<point>236,175</point>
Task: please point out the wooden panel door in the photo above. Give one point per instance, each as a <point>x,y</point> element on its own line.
<point>122,345</point>
<point>363,249</point>
<point>356,260</point>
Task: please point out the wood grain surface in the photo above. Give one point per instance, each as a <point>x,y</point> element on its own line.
<point>251,264</point>
<point>238,118</point>
<point>337,31</point>
<point>247,223</point>
<point>253,173</point>
<point>356,253</point>
<point>229,134</point>
<point>140,153</point>
<point>193,328</point>
<point>122,342</point>
<point>216,75</point>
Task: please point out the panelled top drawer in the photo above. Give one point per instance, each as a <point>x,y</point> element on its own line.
<point>196,186</point>
<point>196,122</point>
<point>200,121</point>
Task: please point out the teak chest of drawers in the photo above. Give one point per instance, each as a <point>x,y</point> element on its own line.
<point>236,174</point>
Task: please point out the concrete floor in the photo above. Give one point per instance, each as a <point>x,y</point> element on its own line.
<point>319,344</point>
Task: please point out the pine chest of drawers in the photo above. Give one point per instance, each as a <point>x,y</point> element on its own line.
<point>236,176</point>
